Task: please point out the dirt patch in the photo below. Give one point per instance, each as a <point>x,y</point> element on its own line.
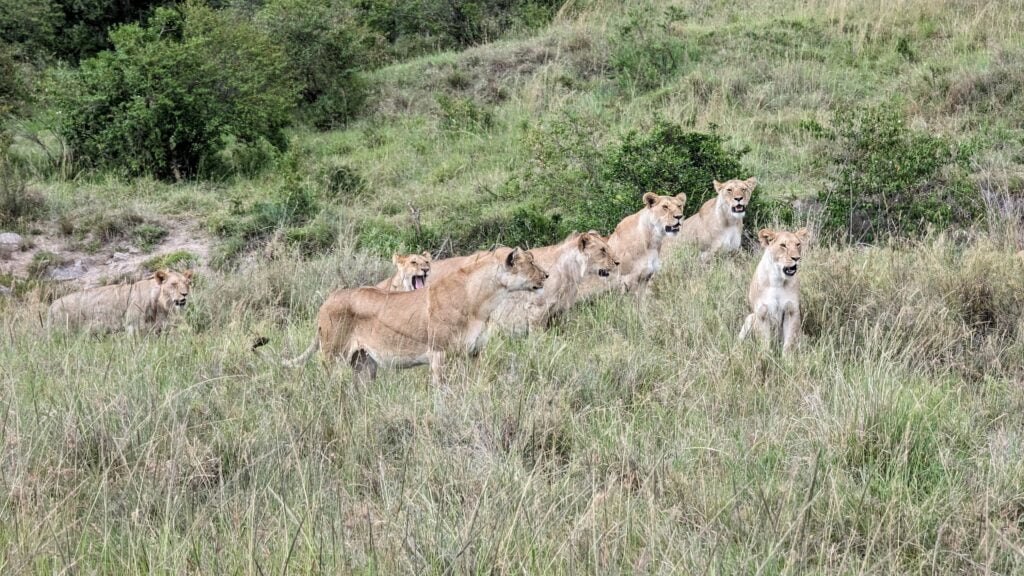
<point>76,269</point>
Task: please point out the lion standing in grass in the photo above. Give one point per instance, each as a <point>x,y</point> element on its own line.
<point>143,306</point>
<point>369,327</point>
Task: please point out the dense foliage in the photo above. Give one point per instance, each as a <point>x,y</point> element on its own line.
<point>326,46</point>
<point>891,180</point>
<point>176,92</point>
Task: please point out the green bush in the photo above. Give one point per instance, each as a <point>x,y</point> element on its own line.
<point>413,27</point>
<point>171,94</point>
<point>463,114</point>
<point>669,160</point>
<point>326,46</point>
<point>892,181</point>
<point>30,27</point>
<point>646,52</point>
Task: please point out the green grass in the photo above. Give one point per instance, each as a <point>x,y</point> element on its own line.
<point>626,439</point>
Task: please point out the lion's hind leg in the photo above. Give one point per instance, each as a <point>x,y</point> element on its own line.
<point>364,368</point>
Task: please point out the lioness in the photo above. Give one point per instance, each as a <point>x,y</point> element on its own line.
<point>567,264</point>
<point>718,226</point>
<point>637,239</point>
<point>411,274</point>
<point>369,327</point>
<point>140,307</point>
<point>775,290</point>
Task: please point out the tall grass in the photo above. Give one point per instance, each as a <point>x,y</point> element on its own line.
<point>627,438</point>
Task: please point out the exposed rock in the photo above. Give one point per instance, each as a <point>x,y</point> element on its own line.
<point>9,243</point>
<point>68,272</point>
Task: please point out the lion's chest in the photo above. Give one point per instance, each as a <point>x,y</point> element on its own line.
<point>651,265</point>
<point>776,301</point>
<point>730,239</point>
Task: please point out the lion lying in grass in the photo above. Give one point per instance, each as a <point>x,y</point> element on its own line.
<point>568,264</point>
<point>370,327</point>
<point>143,306</point>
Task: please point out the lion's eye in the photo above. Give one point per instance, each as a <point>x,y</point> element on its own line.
<point>782,245</point>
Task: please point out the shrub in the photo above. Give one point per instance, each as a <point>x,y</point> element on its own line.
<point>463,114</point>
<point>645,52</point>
<point>30,27</point>
<point>419,26</point>
<point>894,181</point>
<point>171,94</point>
<point>669,160</point>
<point>326,46</point>
<point>343,182</point>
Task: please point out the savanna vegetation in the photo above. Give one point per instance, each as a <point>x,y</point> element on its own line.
<point>297,143</point>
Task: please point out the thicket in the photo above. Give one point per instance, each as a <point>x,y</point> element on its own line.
<point>326,45</point>
<point>893,181</point>
<point>175,93</point>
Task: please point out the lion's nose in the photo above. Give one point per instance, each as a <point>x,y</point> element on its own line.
<point>795,258</point>
<point>740,199</point>
<point>617,262</point>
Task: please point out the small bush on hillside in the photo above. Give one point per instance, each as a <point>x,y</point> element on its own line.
<point>646,52</point>
<point>414,27</point>
<point>326,46</point>
<point>342,182</point>
<point>463,114</point>
<point>170,94</point>
<point>894,181</point>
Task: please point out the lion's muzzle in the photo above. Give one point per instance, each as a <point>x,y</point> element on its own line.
<point>419,281</point>
<point>789,270</point>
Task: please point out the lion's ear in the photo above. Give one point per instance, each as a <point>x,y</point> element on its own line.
<point>187,274</point>
<point>650,199</point>
<point>160,276</point>
<point>766,236</point>
<point>682,198</point>
<point>752,183</point>
<point>803,234</point>
<point>583,241</point>
<point>395,258</point>
<point>717,185</point>
<point>510,260</point>
<point>426,254</point>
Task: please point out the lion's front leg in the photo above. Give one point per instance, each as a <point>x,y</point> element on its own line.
<point>791,328</point>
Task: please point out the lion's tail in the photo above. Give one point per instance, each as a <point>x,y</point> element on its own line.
<point>305,356</point>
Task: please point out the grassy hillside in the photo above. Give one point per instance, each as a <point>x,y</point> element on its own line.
<point>631,437</point>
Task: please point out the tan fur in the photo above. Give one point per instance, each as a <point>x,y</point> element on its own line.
<point>143,306</point>
<point>637,239</point>
<point>718,227</point>
<point>369,327</point>
<point>775,296</point>
<point>578,257</point>
<point>409,267</point>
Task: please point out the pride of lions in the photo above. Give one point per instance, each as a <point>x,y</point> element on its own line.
<point>430,308</point>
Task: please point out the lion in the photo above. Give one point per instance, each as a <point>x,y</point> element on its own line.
<point>412,273</point>
<point>718,225</point>
<point>775,290</point>
<point>568,263</point>
<point>370,327</point>
<point>637,240</point>
<point>144,306</point>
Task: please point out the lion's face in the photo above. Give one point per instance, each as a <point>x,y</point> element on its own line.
<point>667,210</point>
<point>598,255</point>
<point>174,287</point>
<point>519,271</point>
<point>784,248</point>
<point>735,195</point>
<point>413,269</point>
